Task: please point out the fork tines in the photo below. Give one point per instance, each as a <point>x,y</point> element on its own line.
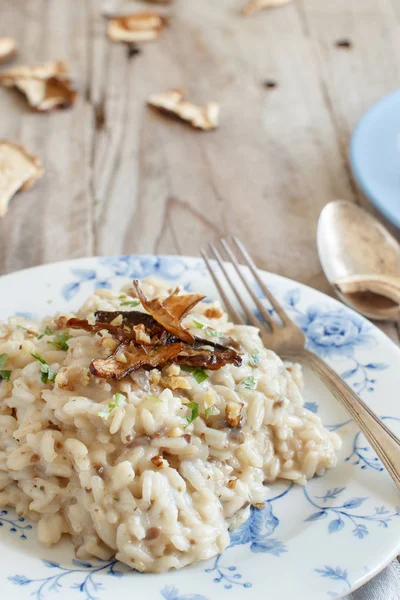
<point>244,277</point>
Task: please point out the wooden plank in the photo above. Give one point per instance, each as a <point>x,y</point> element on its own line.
<point>122,178</point>
<point>52,221</point>
<point>265,174</point>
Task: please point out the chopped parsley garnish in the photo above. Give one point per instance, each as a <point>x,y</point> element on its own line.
<point>153,397</point>
<point>210,411</point>
<point>208,330</point>
<point>61,341</point>
<point>250,383</point>
<point>131,303</point>
<point>23,328</point>
<point>47,331</point>
<point>116,499</point>
<point>254,358</point>
<point>193,412</point>
<point>46,372</point>
<point>198,373</point>
<point>4,374</point>
<point>117,400</point>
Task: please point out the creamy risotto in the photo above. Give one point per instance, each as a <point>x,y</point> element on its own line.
<point>156,466</point>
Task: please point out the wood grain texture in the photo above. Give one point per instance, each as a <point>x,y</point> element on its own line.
<point>122,178</point>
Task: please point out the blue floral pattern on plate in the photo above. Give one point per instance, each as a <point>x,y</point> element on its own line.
<point>337,335</point>
<point>15,524</point>
<point>336,574</point>
<point>344,513</point>
<point>340,511</point>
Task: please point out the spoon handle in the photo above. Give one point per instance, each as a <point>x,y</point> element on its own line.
<point>385,443</point>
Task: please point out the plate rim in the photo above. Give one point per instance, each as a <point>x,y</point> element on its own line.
<point>354,162</point>
<point>372,571</point>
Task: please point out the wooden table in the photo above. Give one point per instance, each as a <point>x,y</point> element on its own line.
<point>120,178</point>
<point>123,179</point>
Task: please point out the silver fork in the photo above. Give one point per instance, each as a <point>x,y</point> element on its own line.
<point>286,339</point>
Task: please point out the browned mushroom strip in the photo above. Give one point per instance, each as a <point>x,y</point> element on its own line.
<point>159,310</point>
<point>202,357</point>
<point>179,306</point>
<point>136,357</point>
<point>118,333</point>
<point>200,347</point>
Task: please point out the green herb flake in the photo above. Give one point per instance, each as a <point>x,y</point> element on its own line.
<point>122,297</point>
<point>187,368</point>
<point>5,375</point>
<point>47,331</point>
<point>254,358</point>
<point>207,329</point>
<point>116,499</point>
<point>3,360</point>
<point>131,303</point>
<point>153,397</point>
<point>61,341</point>
<point>210,411</point>
<point>249,383</point>
<point>104,414</point>
<point>117,400</point>
<point>198,373</point>
<point>193,412</point>
<point>46,372</point>
<point>23,328</point>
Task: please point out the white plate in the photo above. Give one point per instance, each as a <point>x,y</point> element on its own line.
<point>321,541</point>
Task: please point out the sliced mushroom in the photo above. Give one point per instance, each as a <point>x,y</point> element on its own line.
<point>152,340</point>
<point>255,5</point>
<point>139,27</point>
<point>18,171</point>
<point>8,49</point>
<point>172,103</point>
<point>136,358</point>
<point>45,86</point>
<point>160,310</point>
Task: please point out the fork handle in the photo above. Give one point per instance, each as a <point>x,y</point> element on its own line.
<point>385,443</point>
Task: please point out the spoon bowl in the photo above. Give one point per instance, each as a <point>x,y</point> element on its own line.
<point>361,259</point>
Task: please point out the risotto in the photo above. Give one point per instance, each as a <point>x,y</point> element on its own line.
<point>153,467</point>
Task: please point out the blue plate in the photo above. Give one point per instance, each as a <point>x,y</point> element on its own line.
<point>375,156</point>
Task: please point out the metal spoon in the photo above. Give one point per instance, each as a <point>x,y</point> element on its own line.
<point>361,259</point>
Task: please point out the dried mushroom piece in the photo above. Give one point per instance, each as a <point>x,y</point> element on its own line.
<point>139,27</point>
<point>152,340</point>
<point>256,5</point>
<point>163,311</point>
<point>45,86</point>
<point>18,171</point>
<point>8,49</point>
<point>172,103</point>
<point>127,359</point>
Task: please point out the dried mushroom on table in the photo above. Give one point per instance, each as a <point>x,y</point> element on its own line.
<point>18,171</point>
<point>8,49</point>
<point>46,86</point>
<point>139,27</point>
<point>172,103</point>
<point>256,5</point>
